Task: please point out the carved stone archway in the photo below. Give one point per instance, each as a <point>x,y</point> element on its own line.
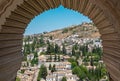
<point>16,14</point>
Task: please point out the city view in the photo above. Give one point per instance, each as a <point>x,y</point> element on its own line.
<point>59,40</point>
<point>73,53</point>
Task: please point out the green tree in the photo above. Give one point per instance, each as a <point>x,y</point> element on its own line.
<point>76,46</point>
<point>65,30</point>
<point>55,57</point>
<point>56,48</point>
<point>27,48</point>
<point>50,57</point>
<point>73,64</point>
<point>84,49</point>
<point>50,66</point>
<point>52,49</point>
<point>41,41</point>
<point>77,55</point>
<point>53,68</point>
<point>35,54</point>
<point>17,79</point>
<point>59,58</point>
<point>22,71</point>
<point>63,49</point>
<point>64,79</point>
<point>91,62</point>
<point>48,49</point>
<point>73,51</point>
<point>51,37</point>
<point>81,72</point>
<point>76,70</point>
<point>72,60</point>
<point>32,47</point>
<point>42,72</point>
<point>34,61</point>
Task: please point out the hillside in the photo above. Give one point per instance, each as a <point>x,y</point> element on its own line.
<point>85,30</point>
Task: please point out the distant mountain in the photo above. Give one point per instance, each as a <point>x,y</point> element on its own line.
<point>85,30</point>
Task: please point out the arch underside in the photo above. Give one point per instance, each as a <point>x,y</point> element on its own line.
<point>15,16</point>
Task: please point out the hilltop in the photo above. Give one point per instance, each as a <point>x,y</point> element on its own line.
<point>84,30</point>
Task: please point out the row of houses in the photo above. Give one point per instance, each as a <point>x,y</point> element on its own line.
<point>63,69</point>
<point>57,76</point>
<point>43,59</point>
<point>27,73</point>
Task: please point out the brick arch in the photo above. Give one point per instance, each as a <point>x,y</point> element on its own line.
<point>16,14</point>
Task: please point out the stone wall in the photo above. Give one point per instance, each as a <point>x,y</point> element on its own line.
<point>16,14</point>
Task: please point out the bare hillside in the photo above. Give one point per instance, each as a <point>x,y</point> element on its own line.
<point>85,30</point>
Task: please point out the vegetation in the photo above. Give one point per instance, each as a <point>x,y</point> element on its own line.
<point>34,61</point>
<point>64,79</point>
<point>50,67</point>
<point>95,72</point>
<point>92,74</point>
<point>53,69</point>
<point>42,73</point>
<point>65,30</point>
<point>18,79</point>
<point>58,58</point>
<point>22,71</point>
<point>57,49</point>
<point>30,47</point>
<point>63,49</point>
<point>54,49</point>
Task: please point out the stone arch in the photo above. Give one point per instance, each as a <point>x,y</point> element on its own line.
<point>16,14</point>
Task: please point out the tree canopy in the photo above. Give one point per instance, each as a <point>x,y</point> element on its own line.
<point>64,79</point>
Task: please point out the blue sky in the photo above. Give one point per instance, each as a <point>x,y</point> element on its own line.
<point>53,19</point>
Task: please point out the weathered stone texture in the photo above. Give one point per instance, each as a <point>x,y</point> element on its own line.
<point>16,14</point>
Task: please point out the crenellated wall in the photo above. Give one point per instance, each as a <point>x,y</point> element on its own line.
<point>16,14</point>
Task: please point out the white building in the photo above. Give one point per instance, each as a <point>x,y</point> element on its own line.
<point>57,76</point>
<point>30,56</point>
<point>41,60</point>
